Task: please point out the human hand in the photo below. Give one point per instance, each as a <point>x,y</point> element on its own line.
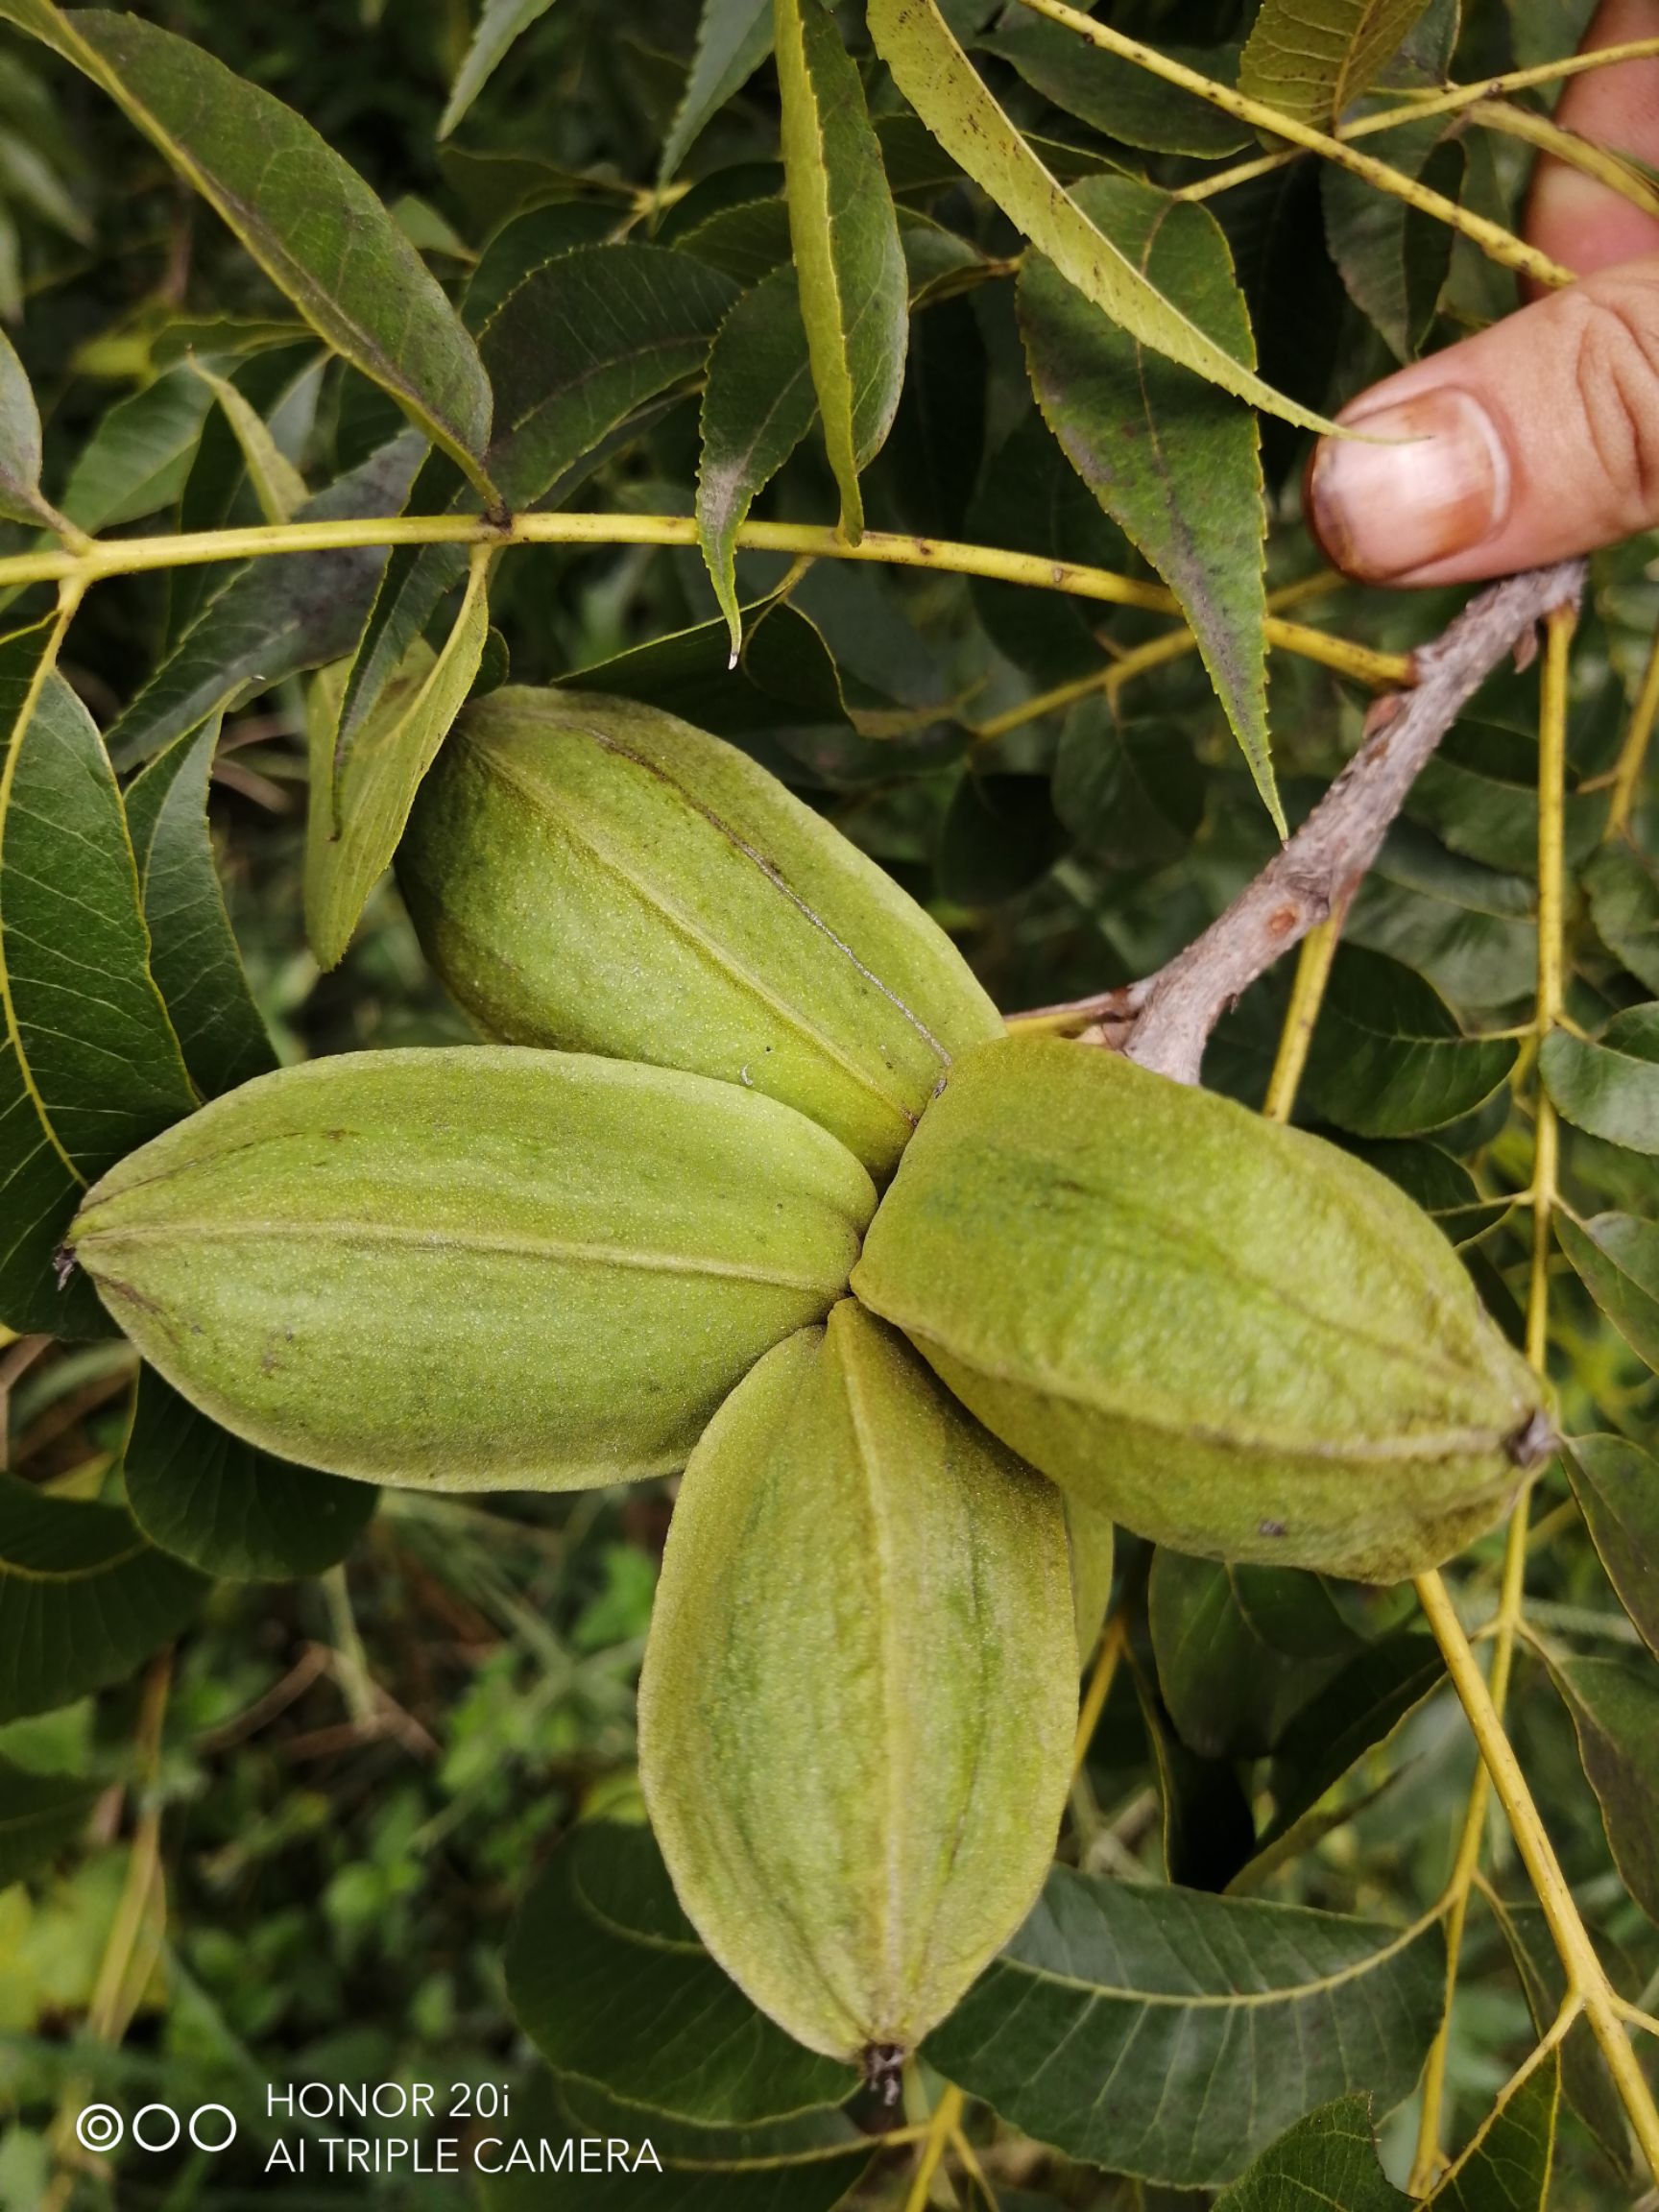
<point>1537,439</point>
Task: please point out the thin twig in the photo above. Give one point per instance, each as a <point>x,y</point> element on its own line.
<point>1164,1023</point>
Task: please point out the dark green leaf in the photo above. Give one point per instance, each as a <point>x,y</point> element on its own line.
<point>1442,1186</point>
<point>747,241</point>
<point>1109,1992</point>
<point>1617,1485</point>
<point>1469,929</point>
<point>1624,892</point>
<point>1617,1258</point>
<point>86,1018</point>
<point>1209,1833</point>
<point>733,37</point>
<point>757,405</point>
<point>1352,1712</point>
<point>360,801</point>
<point>224,1508</point>
<point>1311,59</point>
<point>1114,96</point>
<point>1611,1088</point>
<point>193,954</point>
<point>499,23</point>
<point>1388,1058</point>
<point>1507,2166</point>
<point>785,680</point>
<point>308,218</point>
<point>84,1598</point>
<point>275,616</point>
<point>1000,835</point>
<point>940,438</point>
<point>21,496</point>
<point>1230,1693</point>
<point>1393,259</point>
<point>1032,500</point>
<point>1479,794</point>
<point>610,1982</point>
<point>1174,461</point>
<point>39,1815</point>
<point>853,288</point>
<point>583,343</point>
<point>804,2165</point>
<point>526,244</point>
<point>1615,1709</point>
<point>139,458</point>
<point>1132,794</point>
<point>1326,2163</point>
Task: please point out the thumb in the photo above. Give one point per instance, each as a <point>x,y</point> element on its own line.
<point>1534,441</point>
<point>1540,437</point>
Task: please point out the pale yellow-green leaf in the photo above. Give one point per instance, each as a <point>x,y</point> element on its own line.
<point>277,484</point>
<point>845,234</point>
<point>360,804</point>
<point>937,79</point>
<point>1313,58</point>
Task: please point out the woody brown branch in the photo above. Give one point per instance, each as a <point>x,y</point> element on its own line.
<point>1165,1022</point>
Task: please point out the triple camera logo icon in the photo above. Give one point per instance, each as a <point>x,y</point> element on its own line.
<point>213,2127</point>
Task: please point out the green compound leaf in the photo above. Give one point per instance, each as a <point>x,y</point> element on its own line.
<point>733,37</point>
<point>1617,1485</point>
<point>359,803</point>
<point>1617,1259</point>
<point>1507,2166</point>
<point>226,1507</point>
<point>757,405</point>
<point>809,2164</point>
<point>499,24</point>
<point>84,1598</point>
<point>1311,59</point>
<point>1611,1088</point>
<point>193,954</point>
<point>84,1014</point>
<point>1614,1711</point>
<point>937,79</point>
<point>1388,1058</point>
<point>1622,887</point>
<point>39,1815</point>
<point>854,291</point>
<point>304,215</point>
<point>1325,2163</point>
<point>610,1982</point>
<point>1111,1990</point>
<point>1174,462</point>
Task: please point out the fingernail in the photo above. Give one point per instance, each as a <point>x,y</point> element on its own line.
<point>1381,511</point>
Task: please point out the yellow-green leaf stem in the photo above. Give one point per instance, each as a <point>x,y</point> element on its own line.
<point>1415,108</point>
<point>133,556</point>
<point>1552,892</point>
